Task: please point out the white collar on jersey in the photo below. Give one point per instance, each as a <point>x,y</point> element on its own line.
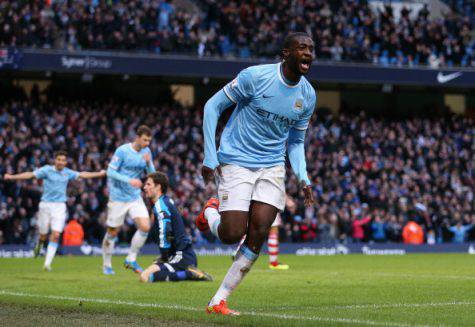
<point>282,78</point>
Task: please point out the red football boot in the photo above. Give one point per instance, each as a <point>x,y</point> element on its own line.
<point>221,309</point>
<point>201,221</point>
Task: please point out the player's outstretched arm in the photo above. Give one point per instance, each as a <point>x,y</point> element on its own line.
<point>19,177</point>
<point>87,175</point>
<point>114,174</point>
<point>296,149</point>
<point>213,109</point>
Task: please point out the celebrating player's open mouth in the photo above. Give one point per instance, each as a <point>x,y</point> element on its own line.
<point>305,65</point>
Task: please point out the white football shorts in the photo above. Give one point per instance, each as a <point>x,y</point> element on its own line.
<point>238,186</point>
<point>51,215</point>
<point>118,211</point>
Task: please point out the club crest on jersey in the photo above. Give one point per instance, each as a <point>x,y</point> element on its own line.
<point>298,104</point>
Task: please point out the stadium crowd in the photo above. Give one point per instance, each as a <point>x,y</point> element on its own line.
<point>371,176</point>
<point>343,30</point>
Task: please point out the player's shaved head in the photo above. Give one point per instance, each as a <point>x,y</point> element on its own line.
<point>293,37</point>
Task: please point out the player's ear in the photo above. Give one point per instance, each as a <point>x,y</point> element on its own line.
<point>285,54</point>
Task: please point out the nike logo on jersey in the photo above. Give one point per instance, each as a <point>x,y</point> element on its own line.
<point>265,96</point>
<point>441,78</point>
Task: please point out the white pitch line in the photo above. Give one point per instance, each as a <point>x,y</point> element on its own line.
<point>387,305</point>
<point>180,307</point>
<point>403,305</point>
<point>436,276</point>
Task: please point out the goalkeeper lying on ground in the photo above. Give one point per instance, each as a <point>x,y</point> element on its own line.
<point>177,259</point>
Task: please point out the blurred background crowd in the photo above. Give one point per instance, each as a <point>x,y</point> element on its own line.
<point>347,31</point>
<point>374,179</point>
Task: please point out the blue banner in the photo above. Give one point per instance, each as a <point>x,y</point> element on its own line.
<point>300,249</point>
<point>182,66</point>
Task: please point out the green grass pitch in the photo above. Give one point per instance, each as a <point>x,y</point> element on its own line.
<point>410,290</point>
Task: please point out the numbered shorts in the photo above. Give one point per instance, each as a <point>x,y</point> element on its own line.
<point>238,186</point>
<point>51,215</point>
<point>118,211</point>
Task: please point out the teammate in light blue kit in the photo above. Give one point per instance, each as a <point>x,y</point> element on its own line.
<point>125,169</point>
<point>52,212</point>
<point>274,104</point>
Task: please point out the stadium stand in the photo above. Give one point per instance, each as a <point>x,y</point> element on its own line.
<point>377,173</point>
<point>346,31</point>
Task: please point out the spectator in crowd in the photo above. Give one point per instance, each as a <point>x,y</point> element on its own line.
<point>460,232</point>
<point>73,234</point>
<point>412,233</point>
<point>378,230</point>
<point>358,224</point>
<point>393,229</point>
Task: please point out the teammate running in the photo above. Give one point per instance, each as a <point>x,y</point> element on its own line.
<point>177,259</point>
<point>124,172</point>
<point>274,106</point>
<point>52,213</point>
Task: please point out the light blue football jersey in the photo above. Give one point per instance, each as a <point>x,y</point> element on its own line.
<point>267,108</point>
<point>130,164</point>
<point>55,182</point>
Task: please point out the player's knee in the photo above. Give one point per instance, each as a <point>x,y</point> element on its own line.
<point>261,231</point>
<point>145,228</point>
<point>112,231</point>
<point>54,237</point>
<point>231,237</point>
<point>144,277</point>
<point>143,224</point>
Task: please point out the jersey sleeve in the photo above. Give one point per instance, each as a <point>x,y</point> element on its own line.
<point>241,88</point>
<point>72,174</point>
<point>302,123</point>
<point>41,173</point>
<point>117,159</point>
<point>150,166</point>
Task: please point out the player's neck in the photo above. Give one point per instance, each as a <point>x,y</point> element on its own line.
<point>136,146</point>
<point>288,75</point>
<point>157,197</point>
